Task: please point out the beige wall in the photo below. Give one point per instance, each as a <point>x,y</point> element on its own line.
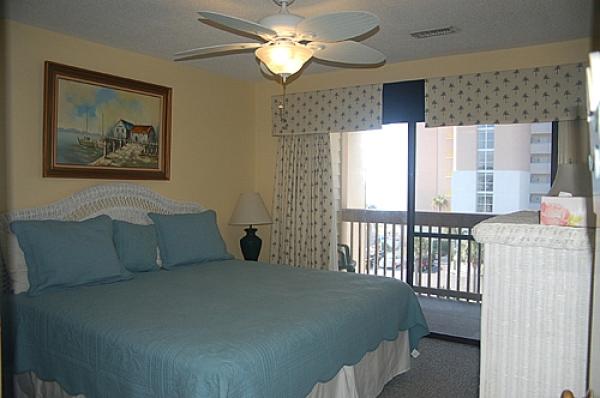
<point>434,162</point>
<point>555,53</point>
<point>211,161</point>
<point>465,148</point>
<point>508,137</point>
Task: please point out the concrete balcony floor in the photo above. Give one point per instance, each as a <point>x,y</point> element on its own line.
<point>452,317</point>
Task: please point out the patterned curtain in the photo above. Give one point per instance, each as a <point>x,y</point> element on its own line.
<point>337,110</point>
<point>303,232</point>
<point>545,94</point>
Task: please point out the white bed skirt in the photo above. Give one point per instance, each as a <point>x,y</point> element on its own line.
<point>366,379</point>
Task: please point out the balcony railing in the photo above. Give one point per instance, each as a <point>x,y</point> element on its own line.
<point>447,261</point>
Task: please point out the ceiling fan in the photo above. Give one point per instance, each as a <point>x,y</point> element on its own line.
<point>289,40</point>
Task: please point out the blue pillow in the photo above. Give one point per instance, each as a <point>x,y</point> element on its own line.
<point>136,246</point>
<point>63,254</point>
<point>189,238</point>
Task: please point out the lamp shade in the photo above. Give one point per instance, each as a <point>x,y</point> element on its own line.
<point>573,178</point>
<point>250,210</point>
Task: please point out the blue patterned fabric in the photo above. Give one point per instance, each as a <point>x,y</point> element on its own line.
<point>189,238</point>
<point>226,329</point>
<point>63,254</point>
<point>136,245</point>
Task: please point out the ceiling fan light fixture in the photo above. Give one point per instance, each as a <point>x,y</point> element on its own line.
<point>289,41</point>
<point>284,58</point>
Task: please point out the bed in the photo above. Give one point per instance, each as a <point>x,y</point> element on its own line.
<point>223,328</point>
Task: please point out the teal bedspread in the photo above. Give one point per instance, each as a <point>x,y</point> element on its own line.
<point>221,329</point>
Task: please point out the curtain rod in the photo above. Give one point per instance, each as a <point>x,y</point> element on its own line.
<point>304,133</point>
<point>322,133</point>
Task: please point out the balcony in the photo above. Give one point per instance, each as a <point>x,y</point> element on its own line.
<point>539,168</point>
<point>541,147</point>
<point>539,187</point>
<point>448,263</point>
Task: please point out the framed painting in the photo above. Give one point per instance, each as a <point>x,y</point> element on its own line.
<point>98,125</point>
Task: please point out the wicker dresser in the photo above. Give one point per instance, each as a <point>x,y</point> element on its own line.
<point>535,307</point>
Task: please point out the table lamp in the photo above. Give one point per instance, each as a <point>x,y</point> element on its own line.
<point>573,178</point>
<point>250,210</point>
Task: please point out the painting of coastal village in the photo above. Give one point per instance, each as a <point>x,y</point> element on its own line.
<point>105,127</point>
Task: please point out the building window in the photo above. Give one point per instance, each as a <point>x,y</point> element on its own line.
<point>535,198</point>
<point>485,159</point>
<point>485,137</point>
<point>485,202</point>
<point>540,179</point>
<point>485,182</point>
<point>485,169</point>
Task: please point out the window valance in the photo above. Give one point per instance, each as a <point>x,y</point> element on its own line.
<point>533,95</point>
<point>337,110</point>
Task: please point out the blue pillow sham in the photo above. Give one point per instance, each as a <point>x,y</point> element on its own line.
<point>63,254</point>
<point>136,246</point>
<point>189,238</point>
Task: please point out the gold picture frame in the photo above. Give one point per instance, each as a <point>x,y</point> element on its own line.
<point>98,125</point>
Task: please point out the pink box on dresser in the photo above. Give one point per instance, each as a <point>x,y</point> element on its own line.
<point>566,211</point>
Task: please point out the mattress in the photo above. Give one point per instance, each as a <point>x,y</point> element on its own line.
<point>232,328</point>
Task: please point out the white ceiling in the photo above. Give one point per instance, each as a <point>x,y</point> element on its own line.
<point>163,27</point>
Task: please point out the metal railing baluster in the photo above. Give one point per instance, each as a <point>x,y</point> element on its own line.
<point>376,263</point>
<point>458,260</point>
<point>394,251</point>
<point>449,261</point>
<point>368,248</point>
<point>385,249</point>
<point>469,264</point>
<point>352,242</point>
<point>429,258</point>
<point>439,258</point>
<point>360,264</point>
<point>420,259</point>
<point>402,253</point>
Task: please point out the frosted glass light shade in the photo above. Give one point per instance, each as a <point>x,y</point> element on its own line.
<point>250,210</point>
<point>284,58</point>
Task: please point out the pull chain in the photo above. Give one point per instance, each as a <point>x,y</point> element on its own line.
<point>281,106</point>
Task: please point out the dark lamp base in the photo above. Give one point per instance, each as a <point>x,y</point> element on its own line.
<point>250,245</point>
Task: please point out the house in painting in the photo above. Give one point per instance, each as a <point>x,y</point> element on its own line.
<point>132,133</point>
<point>121,130</point>
<point>143,135</point>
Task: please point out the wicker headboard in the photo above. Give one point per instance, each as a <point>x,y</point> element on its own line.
<point>121,201</point>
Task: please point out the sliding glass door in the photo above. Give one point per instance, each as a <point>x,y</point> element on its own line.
<point>370,186</point>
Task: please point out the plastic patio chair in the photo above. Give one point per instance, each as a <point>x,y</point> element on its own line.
<point>344,260</point>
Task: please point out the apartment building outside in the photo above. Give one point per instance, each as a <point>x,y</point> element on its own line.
<point>500,169</point>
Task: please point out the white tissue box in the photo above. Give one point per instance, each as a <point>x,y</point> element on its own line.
<point>566,211</point>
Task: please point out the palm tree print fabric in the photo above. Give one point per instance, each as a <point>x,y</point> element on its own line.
<point>303,233</point>
<point>338,110</point>
<point>544,94</point>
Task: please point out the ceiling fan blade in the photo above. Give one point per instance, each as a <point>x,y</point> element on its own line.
<point>347,52</point>
<point>214,50</point>
<point>337,26</point>
<point>239,24</point>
